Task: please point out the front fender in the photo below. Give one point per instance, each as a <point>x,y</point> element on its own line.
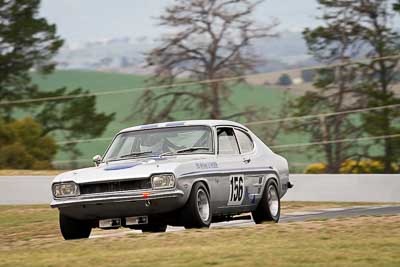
<point>185,184</point>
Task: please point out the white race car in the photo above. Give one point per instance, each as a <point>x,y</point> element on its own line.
<point>187,173</point>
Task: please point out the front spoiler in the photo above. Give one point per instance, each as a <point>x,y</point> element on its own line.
<point>115,197</point>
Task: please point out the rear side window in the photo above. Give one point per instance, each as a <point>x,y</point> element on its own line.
<point>227,144</point>
<point>245,142</point>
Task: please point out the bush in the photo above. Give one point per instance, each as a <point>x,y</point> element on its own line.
<point>15,156</point>
<point>23,145</point>
<point>285,80</point>
<point>363,166</point>
<point>316,168</point>
<point>351,166</point>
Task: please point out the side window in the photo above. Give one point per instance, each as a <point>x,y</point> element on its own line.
<point>245,142</point>
<point>227,144</point>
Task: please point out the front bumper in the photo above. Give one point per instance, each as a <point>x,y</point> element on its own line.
<point>116,197</point>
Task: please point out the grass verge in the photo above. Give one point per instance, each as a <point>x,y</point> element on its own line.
<point>30,237</point>
<point>30,172</point>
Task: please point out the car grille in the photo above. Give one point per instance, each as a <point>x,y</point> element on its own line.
<point>117,186</point>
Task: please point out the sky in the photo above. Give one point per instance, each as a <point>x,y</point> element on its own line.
<point>80,21</point>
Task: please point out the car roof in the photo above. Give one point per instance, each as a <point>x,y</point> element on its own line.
<point>210,123</point>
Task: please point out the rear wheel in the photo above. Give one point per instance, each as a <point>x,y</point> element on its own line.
<point>154,228</point>
<point>197,211</point>
<point>74,229</point>
<point>269,208</point>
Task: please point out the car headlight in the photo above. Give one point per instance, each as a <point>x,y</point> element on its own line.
<point>163,181</point>
<point>69,189</point>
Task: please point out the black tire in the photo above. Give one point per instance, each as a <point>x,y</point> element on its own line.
<point>74,229</point>
<point>190,214</point>
<point>263,212</point>
<point>154,228</point>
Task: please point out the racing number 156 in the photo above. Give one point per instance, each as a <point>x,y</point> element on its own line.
<point>236,189</point>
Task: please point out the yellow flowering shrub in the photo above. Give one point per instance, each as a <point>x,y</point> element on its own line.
<point>351,167</point>
<point>363,166</point>
<point>316,168</point>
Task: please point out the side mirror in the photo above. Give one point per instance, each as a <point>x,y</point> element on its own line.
<point>97,160</point>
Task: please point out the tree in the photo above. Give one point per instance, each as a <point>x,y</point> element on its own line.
<point>284,80</point>
<point>24,146</point>
<point>211,40</point>
<point>396,6</point>
<point>28,43</point>
<point>308,75</point>
<point>382,41</point>
<point>332,42</point>
<point>72,118</point>
<point>355,29</point>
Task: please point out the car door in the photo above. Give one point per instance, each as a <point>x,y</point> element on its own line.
<point>228,156</point>
<point>231,178</point>
<point>250,164</point>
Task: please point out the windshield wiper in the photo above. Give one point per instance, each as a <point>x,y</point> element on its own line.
<point>127,156</point>
<point>135,154</point>
<point>193,148</point>
<point>183,150</point>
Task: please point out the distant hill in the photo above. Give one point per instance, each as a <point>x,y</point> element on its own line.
<point>127,55</point>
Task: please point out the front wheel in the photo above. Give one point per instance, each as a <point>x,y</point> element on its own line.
<point>197,211</point>
<point>74,229</point>
<point>269,208</point>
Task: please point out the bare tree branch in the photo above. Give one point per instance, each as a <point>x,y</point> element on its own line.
<point>211,39</point>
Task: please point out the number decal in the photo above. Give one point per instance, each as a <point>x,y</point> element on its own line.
<point>236,190</point>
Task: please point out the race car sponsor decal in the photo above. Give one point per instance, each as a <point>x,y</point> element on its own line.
<point>236,190</point>
<point>206,165</point>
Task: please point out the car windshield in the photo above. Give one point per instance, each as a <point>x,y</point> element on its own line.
<point>166,141</point>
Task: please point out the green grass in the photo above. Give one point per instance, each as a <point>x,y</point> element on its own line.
<point>30,237</point>
<point>122,104</point>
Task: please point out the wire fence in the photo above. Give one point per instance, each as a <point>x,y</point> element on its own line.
<point>77,141</point>
<point>229,79</point>
<point>191,83</point>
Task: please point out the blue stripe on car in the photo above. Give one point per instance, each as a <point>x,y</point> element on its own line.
<point>121,166</point>
<point>234,170</point>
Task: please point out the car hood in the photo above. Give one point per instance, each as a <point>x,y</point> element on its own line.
<point>130,169</point>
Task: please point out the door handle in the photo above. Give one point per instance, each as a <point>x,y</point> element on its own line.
<point>246,160</point>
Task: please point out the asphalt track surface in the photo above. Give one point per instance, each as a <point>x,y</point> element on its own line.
<point>323,214</point>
